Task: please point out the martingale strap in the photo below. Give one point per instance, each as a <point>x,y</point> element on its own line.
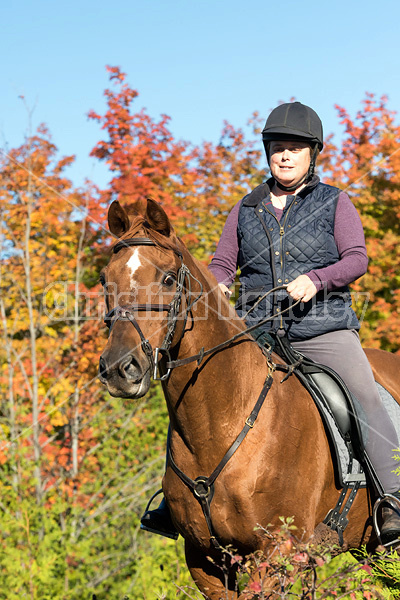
<point>203,487</point>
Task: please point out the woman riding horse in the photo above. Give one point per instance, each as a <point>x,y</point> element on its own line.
<point>295,230</point>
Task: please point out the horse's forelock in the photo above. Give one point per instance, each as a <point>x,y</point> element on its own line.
<point>173,243</point>
<point>139,223</point>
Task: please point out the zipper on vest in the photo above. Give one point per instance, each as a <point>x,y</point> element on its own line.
<point>281,229</point>
<point>281,234</point>
<point>271,243</point>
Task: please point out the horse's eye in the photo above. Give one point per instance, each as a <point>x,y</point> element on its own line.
<point>169,280</point>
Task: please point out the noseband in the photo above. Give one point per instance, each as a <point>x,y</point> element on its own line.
<point>126,312</point>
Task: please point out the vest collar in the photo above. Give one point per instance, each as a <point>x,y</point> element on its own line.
<point>263,190</point>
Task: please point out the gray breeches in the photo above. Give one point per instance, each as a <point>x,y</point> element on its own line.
<point>342,352</point>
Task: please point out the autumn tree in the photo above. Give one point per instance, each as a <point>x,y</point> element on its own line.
<point>367,165</point>
<point>38,251</point>
<point>75,464</point>
<point>141,153</point>
<point>197,186</point>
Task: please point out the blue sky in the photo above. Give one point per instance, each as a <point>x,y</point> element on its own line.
<point>199,61</point>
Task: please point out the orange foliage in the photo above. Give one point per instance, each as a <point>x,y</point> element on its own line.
<point>46,376</point>
<point>197,186</point>
<point>367,166</point>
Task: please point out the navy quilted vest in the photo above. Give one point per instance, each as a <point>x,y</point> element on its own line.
<point>272,253</point>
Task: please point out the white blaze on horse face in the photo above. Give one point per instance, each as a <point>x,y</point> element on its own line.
<point>133,264</point>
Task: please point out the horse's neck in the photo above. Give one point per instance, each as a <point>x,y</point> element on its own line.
<point>213,319</point>
<point>210,401</point>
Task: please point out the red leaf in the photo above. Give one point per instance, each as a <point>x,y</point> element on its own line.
<point>301,557</point>
<point>255,586</point>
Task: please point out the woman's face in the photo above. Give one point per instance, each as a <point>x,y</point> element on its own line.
<point>289,161</point>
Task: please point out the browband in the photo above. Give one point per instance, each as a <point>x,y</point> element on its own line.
<point>139,241</point>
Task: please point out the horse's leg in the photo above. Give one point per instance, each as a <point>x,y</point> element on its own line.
<point>214,580</point>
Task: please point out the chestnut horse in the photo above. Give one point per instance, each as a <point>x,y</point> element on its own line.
<point>160,297</point>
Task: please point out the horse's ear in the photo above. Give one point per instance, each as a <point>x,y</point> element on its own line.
<point>157,218</point>
<point>118,219</point>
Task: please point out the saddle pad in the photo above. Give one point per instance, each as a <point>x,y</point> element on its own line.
<point>342,453</point>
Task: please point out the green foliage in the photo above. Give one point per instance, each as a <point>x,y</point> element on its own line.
<point>385,569</point>
<point>160,568</point>
<point>90,541</point>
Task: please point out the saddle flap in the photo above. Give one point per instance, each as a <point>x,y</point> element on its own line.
<point>335,401</point>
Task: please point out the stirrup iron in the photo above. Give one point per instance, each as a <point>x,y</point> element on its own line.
<point>385,499</point>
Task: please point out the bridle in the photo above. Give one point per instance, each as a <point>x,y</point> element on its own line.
<point>126,312</point>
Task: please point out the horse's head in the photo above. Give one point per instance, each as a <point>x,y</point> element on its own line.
<point>144,289</point>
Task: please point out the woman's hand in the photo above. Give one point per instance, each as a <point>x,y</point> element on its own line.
<point>302,288</point>
<point>225,290</point>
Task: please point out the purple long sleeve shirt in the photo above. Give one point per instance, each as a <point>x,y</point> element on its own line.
<point>349,239</point>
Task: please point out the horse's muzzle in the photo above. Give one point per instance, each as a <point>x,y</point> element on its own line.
<point>124,378</point>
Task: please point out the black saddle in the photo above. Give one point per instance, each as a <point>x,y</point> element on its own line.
<point>332,397</point>
<point>329,391</point>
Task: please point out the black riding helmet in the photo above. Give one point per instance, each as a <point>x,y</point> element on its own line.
<point>294,121</point>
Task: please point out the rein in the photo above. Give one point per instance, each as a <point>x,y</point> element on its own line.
<point>200,355</point>
<point>126,313</point>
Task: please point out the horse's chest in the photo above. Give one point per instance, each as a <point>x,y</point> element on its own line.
<point>233,511</point>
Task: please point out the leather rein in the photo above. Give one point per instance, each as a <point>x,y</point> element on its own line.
<point>202,487</point>
<point>125,312</point>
